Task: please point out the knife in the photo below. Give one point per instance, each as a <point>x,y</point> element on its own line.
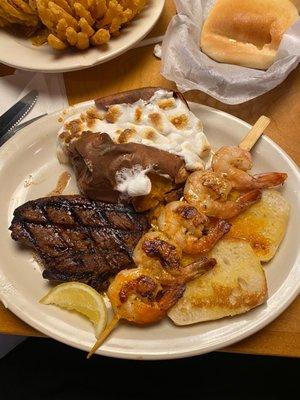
<point>16,113</point>
<point>21,126</point>
<point>16,128</point>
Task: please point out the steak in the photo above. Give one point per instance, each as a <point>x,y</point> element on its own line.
<point>77,239</point>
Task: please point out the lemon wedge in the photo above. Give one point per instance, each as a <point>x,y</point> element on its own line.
<point>79,297</point>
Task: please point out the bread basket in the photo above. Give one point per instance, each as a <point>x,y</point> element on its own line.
<point>184,63</point>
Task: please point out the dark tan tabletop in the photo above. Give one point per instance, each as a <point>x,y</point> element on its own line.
<point>138,68</point>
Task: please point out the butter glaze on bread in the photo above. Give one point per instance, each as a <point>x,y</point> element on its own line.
<point>246,32</point>
<point>263,225</point>
<point>234,286</point>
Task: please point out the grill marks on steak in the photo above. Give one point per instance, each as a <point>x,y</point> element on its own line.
<point>78,239</point>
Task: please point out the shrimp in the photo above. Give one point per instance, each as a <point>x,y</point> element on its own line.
<point>186,226</point>
<point>157,253</point>
<point>161,257</point>
<point>208,192</point>
<point>144,295</point>
<point>234,163</point>
<point>140,298</point>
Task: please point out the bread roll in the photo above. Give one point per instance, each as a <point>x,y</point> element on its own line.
<point>297,4</point>
<point>246,32</point>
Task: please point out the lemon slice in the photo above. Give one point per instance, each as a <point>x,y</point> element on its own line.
<point>79,297</point>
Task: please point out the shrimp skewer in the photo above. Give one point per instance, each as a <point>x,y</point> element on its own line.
<point>142,299</point>
<point>186,226</point>
<point>144,295</point>
<point>208,191</point>
<point>234,162</point>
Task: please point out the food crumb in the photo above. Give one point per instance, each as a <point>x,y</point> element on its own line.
<point>28,181</point>
<point>157,51</point>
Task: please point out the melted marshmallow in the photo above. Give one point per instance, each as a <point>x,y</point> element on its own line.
<point>163,122</point>
<point>133,181</point>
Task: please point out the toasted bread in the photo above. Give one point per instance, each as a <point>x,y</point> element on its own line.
<point>235,285</point>
<point>263,225</point>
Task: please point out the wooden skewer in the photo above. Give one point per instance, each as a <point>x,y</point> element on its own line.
<point>104,335</point>
<point>255,133</point>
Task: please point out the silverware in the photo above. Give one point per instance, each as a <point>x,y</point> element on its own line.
<point>21,126</point>
<point>14,130</point>
<point>11,118</point>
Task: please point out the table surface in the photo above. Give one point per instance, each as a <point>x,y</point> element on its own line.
<point>138,68</point>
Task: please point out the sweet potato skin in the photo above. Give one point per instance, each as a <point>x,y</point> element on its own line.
<point>131,96</point>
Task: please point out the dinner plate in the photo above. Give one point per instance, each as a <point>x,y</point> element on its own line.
<point>18,52</point>
<point>29,169</point>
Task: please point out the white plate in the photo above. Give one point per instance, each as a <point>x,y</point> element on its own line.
<point>30,156</point>
<point>20,53</point>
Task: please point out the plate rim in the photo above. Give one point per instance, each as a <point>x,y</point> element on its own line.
<point>124,354</point>
<point>108,57</point>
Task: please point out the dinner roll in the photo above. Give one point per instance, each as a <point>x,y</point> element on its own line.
<point>297,4</point>
<point>246,32</point>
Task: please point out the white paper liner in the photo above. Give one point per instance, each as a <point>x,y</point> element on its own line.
<point>185,64</point>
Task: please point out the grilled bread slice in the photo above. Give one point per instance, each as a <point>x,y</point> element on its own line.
<point>263,225</point>
<point>235,285</point>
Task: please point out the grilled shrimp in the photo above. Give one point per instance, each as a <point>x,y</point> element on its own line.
<point>190,229</point>
<point>144,295</point>
<point>235,162</point>
<point>161,258</point>
<point>208,191</point>
<point>141,298</point>
<point>155,252</point>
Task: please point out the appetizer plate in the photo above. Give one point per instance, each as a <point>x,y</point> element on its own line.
<point>29,169</point>
<point>18,52</point>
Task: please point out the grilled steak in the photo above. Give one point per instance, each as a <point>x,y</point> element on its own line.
<point>78,239</point>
